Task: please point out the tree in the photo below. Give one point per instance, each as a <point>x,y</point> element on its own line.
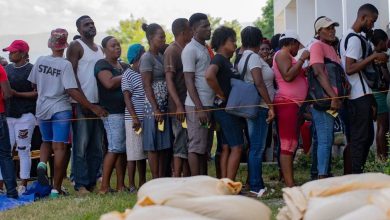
<point>215,22</point>
<point>266,22</point>
<point>130,32</point>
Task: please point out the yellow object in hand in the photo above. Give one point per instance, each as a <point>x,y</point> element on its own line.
<point>161,126</point>
<point>184,123</point>
<point>138,131</point>
<point>332,113</point>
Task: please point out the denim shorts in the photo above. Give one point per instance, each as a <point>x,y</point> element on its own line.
<point>57,128</point>
<point>231,128</point>
<point>114,124</point>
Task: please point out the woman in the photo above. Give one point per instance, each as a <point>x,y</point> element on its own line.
<point>156,125</point>
<point>266,52</point>
<point>108,72</point>
<point>323,122</point>
<point>380,39</point>
<point>292,91</point>
<point>261,75</point>
<point>218,76</point>
<point>21,107</point>
<point>134,95</point>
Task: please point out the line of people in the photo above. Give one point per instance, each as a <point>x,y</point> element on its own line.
<point>164,105</point>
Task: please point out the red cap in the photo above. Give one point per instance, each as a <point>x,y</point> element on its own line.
<point>18,45</point>
<point>58,39</point>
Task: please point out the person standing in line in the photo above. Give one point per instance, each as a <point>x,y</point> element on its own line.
<point>361,104</point>
<point>108,73</point>
<point>379,40</point>
<point>88,134</point>
<point>200,97</point>
<point>134,96</point>
<point>21,107</point>
<point>177,94</point>
<point>54,80</point>
<point>261,75</point>
<point>218,76</point>
<point>6,163</point>
<point>292,91</point>
<point>323,122</point>
<point>156,125</point>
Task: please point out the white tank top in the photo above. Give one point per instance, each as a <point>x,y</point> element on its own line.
<point>85,71</point>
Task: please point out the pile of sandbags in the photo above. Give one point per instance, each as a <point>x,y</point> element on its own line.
<point>350,197</point>
<point>199,197</point>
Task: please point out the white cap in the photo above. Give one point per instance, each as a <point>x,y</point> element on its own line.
<point>324,22</point>
<point>289,34</point>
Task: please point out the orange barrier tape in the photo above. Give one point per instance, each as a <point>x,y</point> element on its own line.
<point>216,109</point>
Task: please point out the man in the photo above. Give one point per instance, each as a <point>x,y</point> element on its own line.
<point>6,163</point>
<point>177,93</point>
<point>200,97</point>
<point>3,61</point>
<point>361,110</point>
<point>87,151</point>
<point>54,79</point>
<point>21,107</point>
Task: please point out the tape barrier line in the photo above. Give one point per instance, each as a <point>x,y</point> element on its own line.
<point>216,109</point>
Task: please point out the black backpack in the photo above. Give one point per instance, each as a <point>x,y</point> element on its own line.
<point>371,73</point>
<point>337,79</point>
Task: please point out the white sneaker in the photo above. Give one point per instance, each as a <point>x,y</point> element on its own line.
<point>260,193</point>
<point>21,189</point>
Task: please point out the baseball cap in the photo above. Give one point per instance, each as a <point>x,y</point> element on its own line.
<point>18,45</point>
<point>324,22</point>
<point>134,52</point>
<point>290,34</point>
<point>58,39</point>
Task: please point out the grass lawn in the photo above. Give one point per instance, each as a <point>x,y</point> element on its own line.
<point>92,206</point>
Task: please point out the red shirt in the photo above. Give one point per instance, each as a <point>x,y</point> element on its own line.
<point>3,78</point>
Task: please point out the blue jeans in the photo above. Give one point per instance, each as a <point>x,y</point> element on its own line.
<point>324,126</point>
<point>257,129</point>
<point>6,162</point>
<point>87,148</point>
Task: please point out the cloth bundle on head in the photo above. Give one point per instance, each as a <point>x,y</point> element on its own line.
<point>134,53</point>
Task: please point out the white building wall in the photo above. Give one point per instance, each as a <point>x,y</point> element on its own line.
<point>305,21</point>
<point>301,14</point>
<point>332,9</point>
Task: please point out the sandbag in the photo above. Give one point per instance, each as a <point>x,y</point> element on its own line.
<point>365,213</point>
<point>226,207</point>
<point>115,215</point>
<point>163,213</point>
<point>337,185</point>
<point>158,191</point>
<point>332,207</point>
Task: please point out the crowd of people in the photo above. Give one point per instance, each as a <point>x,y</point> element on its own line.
<point>164,104</point>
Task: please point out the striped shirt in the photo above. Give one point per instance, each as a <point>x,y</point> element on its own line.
<point>131,81</point>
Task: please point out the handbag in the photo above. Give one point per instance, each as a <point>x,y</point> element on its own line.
<point>244,98</point>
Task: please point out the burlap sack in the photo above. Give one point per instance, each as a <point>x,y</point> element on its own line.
<point>228,207</point>
<point>367,212</point>
<point>163,213</point>
<point>160,190</point>
<point>337,185</point>
<point>333,207</point>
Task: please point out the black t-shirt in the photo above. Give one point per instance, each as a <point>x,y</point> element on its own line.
<point>17,77</point>
<point>225,73</point>
<point>110,99</point>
